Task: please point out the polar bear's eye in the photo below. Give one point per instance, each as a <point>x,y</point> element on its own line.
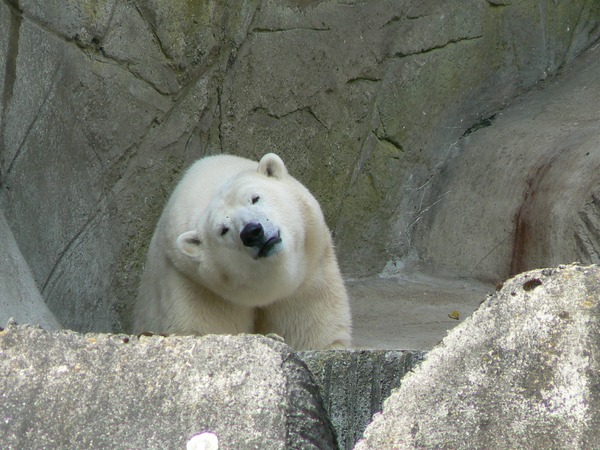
<point>255,199</point>
<point>224,231</point>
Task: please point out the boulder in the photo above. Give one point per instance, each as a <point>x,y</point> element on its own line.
<point>68,390</point>
<point>521,372</point>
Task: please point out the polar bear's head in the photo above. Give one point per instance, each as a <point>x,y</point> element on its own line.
<point>249,244</point>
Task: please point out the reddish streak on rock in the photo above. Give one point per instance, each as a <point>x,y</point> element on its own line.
<point>524,232</point>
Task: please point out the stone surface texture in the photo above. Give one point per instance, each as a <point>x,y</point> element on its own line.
<point>68,390</point>
<point>521,372</point>
<point>19,295</point>
<point>104,103</point>
<point>522,191</point>
<point>354,384</point>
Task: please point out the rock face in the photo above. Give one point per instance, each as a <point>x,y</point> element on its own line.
<point>524,192</point>
<point>68,390</point>
<point>103,103</point>
<point>19,296</point>
<point>354,384</point>
<point>521,372</point>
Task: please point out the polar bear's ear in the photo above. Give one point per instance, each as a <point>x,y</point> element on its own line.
<point>188,243</point>
<point>272,165</point>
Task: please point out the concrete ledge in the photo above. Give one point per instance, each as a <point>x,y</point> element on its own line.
<point>69,390</point>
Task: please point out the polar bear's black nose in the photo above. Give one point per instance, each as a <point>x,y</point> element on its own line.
<point>252,234</point>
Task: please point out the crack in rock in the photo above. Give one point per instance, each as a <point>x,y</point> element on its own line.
<point>304,109</point>
<point>285,30</point>
<point>435,47</point>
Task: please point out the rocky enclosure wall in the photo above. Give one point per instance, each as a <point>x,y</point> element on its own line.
<point>103,103</point>
<point>523,192</point>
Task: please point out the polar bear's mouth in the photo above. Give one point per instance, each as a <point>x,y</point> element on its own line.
<point>268,248</point>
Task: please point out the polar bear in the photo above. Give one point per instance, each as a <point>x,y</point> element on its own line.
<point>243,247</point>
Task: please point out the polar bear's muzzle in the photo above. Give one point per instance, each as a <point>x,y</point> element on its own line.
<point>253,235</point>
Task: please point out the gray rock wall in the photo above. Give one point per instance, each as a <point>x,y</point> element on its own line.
<point>20,298</point>
<point>523,190</point>
<point>102,104</point>
<point>354,384</point>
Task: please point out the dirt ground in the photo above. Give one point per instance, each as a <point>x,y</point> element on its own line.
<point>410,313</point>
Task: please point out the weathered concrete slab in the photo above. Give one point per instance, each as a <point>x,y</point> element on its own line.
<point>68,390</point>
<point>20,298</point>
<point>521,372</point>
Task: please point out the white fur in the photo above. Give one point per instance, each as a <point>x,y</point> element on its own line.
<point>201,279</point>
